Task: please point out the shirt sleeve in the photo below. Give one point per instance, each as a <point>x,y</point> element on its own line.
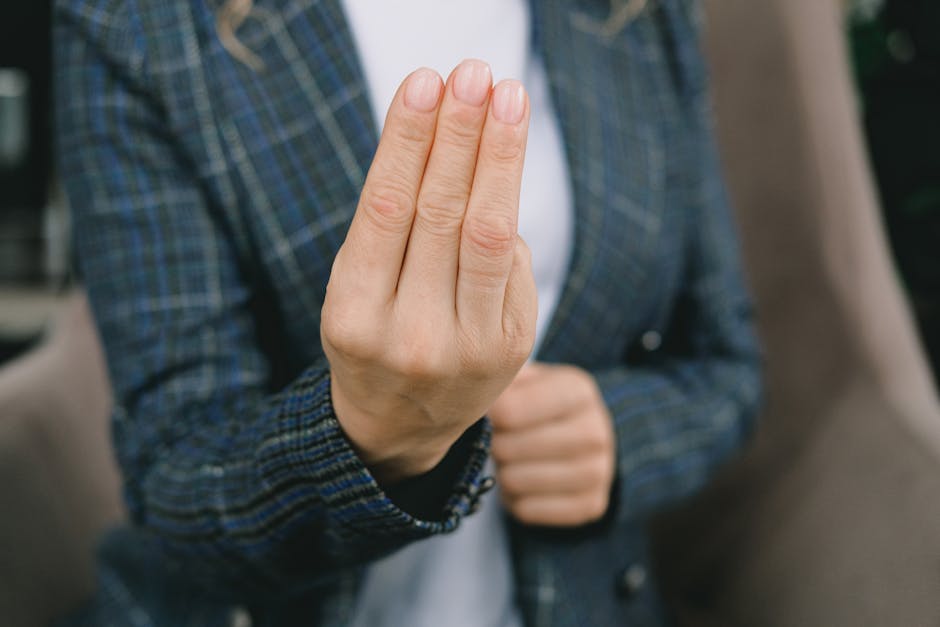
<point>251,486</point>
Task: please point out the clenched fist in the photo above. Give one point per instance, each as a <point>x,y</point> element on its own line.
<point>430,308</point>
<point>554,447</point>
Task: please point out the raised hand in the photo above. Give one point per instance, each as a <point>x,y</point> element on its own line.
<point>554,447</point>
<point>430,308</point>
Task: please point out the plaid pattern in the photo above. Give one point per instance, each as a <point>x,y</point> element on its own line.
<point>209,200</point>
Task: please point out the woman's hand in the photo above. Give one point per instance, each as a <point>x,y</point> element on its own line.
<point>554,447</point>
<point>430,308</point>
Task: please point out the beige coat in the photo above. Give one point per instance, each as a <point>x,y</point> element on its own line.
<point>832,518</point>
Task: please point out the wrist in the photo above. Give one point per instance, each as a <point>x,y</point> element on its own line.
<point>390,453</point>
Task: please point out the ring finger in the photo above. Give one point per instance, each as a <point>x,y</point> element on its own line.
<point>553,477</point>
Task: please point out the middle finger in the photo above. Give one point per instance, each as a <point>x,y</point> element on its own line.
<point>555,440</point>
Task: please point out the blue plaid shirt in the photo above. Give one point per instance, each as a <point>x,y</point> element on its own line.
<point>209,199</point>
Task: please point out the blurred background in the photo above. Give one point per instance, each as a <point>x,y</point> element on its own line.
<point>33,235</point>
<point>896,53</point>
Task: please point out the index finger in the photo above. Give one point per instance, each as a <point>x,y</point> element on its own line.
<point>539,394</point>
<point>376,241</point>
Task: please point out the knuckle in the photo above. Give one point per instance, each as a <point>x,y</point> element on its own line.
<point>491,234</point>
<point>508,149</point>
<point>418,361</point>
<point>440,212</point>
<point>459,129</point>
<point>345,334</point>
<point>389,206</point>
<point>410,137</point>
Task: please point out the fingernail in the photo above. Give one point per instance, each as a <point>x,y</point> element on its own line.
<point>423,90</point>
<point>509,102</point>
<point>472,82</point>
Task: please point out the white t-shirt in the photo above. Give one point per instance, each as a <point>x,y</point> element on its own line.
<point>465,578</point>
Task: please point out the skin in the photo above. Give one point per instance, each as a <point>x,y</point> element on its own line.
<point>431,304</point>
<point>554,447</point>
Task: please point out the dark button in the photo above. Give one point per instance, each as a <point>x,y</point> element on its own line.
<point>239,618</point>
<point>651,341</point>
<point>631,580</point>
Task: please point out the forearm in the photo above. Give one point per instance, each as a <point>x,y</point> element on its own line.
<point>273,491</point>
<point>675,423</point>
